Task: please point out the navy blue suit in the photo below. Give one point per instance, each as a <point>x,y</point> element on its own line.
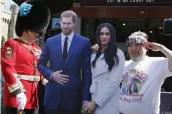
<point>77,66</point>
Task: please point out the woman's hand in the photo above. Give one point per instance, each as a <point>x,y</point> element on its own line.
<point>95,47</point>
<point>153,46</point>
<point>89,107</point>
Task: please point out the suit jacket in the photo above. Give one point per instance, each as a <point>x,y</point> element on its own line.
<point>105,84</point>
<point>77,67</point>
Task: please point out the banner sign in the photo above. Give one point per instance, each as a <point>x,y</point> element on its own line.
<point>126,2</point>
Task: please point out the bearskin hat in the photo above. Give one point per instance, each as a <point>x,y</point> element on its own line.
<point>34,16</point>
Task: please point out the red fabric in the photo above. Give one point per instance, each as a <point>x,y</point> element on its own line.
<point>21,61</point>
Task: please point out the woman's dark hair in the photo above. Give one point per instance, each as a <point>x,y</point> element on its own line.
<point>135,88</point>
<point>110,53</point>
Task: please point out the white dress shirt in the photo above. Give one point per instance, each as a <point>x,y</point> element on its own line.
<point>70,37</point>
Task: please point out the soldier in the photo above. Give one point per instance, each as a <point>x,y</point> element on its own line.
<point>19,59</point>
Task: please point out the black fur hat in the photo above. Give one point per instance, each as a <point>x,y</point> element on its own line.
<point>33,16</point>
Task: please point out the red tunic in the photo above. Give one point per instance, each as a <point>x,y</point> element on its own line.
<point>19,61</point>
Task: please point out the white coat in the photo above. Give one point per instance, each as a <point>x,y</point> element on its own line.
<point>105,88</point>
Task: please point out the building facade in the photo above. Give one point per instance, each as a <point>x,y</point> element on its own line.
<point>7,21</point>
<point>127,16</point>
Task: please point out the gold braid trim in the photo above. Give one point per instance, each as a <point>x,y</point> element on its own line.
<point>16,86</point>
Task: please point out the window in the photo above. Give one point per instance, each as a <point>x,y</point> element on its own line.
<point>2,42</point>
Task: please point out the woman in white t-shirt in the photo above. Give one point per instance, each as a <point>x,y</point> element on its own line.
<point>147,74</point>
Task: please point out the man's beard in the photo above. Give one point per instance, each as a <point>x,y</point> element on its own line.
<point>67,32</point>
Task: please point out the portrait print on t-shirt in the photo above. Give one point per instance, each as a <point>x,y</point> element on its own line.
<point>132,83</point>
